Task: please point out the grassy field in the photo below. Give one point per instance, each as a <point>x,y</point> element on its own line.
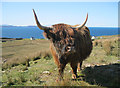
<point>29,63</point>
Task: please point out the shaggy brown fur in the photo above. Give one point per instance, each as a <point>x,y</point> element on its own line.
<point>69,45</point>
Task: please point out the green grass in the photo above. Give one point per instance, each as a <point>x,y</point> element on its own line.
<point>100,69</point>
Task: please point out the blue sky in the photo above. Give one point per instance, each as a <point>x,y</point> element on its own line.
<point>100,14</point>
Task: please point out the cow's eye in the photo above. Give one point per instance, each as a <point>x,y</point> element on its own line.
<point>68,48</point>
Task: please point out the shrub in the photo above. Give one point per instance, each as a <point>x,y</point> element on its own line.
<point>100,44</point>
<point>10,81</point>
<point>115,52</point>
<point>96,43</point>
<point>21,78</point>
<point>107,47</point>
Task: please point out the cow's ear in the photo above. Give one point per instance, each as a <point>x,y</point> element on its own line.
<point>49,34</point>
<point>46,35</point>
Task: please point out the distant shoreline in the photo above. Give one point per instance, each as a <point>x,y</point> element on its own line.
<point>44,38</point>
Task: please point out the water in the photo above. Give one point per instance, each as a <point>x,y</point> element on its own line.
<point>28,32</point>
<point>100,31</point>
<point>22,32</point>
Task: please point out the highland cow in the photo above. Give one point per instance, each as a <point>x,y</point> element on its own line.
<point>68,44</point>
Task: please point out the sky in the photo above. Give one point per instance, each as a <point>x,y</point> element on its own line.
<point>100,14</point>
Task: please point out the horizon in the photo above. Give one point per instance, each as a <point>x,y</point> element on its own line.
<point>48,26</point>
<point>100,14</point>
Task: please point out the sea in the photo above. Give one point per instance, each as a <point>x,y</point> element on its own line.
<point>34,31</point>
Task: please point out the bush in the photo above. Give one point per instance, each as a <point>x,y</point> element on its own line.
<point>115,52</point>
<point>10,81</point>
<point>107,47</point>
<point>21,78</point>
<point>95,43</point>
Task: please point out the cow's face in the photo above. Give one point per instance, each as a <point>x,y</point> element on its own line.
<point>62,36</point>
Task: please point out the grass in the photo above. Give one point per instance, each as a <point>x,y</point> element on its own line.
<point>18,51</point>
<point>99,70</point>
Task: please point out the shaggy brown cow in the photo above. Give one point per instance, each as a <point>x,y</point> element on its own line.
<point>68,44</point>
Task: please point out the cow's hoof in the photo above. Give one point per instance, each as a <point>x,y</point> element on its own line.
<point>74,76</point>
<point>78,69</point>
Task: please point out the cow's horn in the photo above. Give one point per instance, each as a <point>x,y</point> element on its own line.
<point>83,23</point>
<point>38,24</point>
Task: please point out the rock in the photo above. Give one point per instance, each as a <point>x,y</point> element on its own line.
<point>3,71</point>
<point>55,69</point>
<point>46,72</point>
<point>103,64</point>
<point>118,60</point>
<point>87,65</point>
<point>69,70</point>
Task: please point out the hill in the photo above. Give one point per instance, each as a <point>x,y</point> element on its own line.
<point>29,63</point>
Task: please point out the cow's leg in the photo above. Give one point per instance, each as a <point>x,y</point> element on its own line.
<point>59,62</point>
<point>79,66</point>
<point>54,54</point>
<point>61,70</point>
<point>74,70</point>
<point>61,66</point>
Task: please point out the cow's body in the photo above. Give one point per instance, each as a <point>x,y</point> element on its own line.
<point>68,45</point>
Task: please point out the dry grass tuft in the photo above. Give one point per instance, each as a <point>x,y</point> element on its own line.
<point>107,47</point>
<point>25,60</point>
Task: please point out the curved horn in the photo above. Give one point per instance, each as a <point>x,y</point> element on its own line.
<point>83,23</point>
<point>38,24</point>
